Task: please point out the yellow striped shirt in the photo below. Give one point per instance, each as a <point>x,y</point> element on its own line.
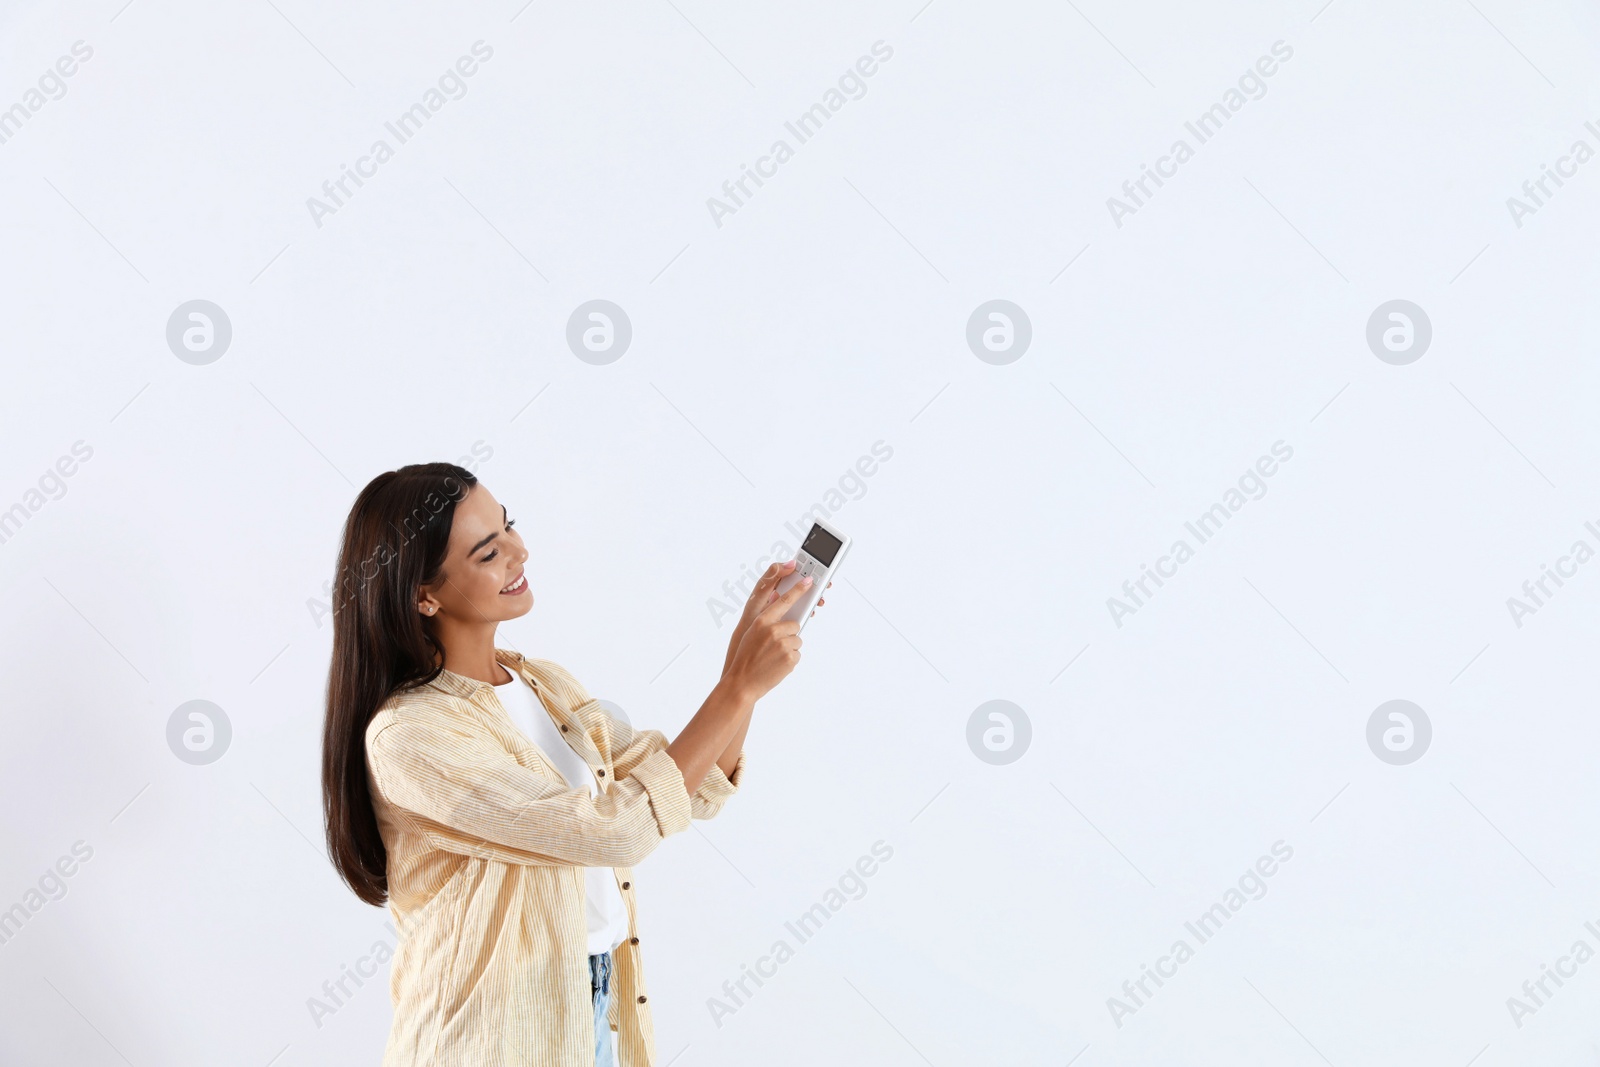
<point>486,847</point>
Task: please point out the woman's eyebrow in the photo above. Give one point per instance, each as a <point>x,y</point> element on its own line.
<point>473,551</point>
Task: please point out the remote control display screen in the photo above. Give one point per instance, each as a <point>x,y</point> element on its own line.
<point>821,546</point>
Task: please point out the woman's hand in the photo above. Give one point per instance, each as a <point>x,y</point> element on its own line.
<point>769,647</point>
<point>760,597</point>
<point>765,589</point>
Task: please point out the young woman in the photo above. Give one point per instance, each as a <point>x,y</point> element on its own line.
<point>490,801</point>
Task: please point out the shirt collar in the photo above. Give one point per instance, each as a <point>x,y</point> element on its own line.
<point>515,662</point>
<point>462,686</point>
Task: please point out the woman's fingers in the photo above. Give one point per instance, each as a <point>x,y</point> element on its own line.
<point>770,577</point>
<point>781,604</point>
<point>769,582</point>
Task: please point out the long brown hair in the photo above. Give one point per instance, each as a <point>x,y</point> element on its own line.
<point>394,542</point>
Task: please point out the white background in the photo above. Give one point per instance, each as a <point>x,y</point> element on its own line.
<point>185,558</point>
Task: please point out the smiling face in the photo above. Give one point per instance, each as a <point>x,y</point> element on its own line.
<point>482,579</point>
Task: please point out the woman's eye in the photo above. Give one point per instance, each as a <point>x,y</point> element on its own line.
<point>509,523</point>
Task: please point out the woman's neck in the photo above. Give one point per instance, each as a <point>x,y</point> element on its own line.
<point>469,651</point>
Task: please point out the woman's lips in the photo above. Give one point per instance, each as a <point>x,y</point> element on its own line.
<point>518,587</point>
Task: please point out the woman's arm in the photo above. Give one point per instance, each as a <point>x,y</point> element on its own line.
<point>766,651</point>
<point>716,728</point>
<point>462,790</point>
<point>467,794</point>
<point>760,597</point>
<point>730,755</point>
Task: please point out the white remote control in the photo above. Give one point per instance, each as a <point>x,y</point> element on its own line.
<point>820,556</point>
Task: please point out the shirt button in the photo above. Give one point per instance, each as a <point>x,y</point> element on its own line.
<point>626,885</point>
<point>563,729</point>
<point>641,998</point>
<point>633,940</point>
<point>601,772</point>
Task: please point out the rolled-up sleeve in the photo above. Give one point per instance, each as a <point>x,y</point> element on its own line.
<point>715,790</point>
<point>469,796</point>
<point>640,745</point>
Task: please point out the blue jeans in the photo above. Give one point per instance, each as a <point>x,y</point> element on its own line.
<point>600,981</point>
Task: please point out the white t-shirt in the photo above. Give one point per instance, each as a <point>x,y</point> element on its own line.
<point>607,913</point>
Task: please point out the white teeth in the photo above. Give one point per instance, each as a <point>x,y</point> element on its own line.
<point>516,585</point>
